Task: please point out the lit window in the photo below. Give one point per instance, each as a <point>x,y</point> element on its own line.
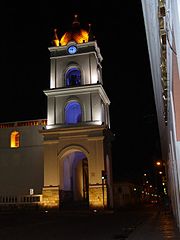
<point>15,139</point>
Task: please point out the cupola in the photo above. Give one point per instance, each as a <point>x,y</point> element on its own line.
<point>76,34</point>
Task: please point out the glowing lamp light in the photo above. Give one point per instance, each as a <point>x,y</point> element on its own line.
<point>158,163</point>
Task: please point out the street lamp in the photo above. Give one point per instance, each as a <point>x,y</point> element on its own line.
<point>160,176</point>
<point>158,163</point>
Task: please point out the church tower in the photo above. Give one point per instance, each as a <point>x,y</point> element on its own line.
<point>77,138</point>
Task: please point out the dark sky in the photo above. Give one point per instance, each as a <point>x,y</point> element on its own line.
<point>119,30</point>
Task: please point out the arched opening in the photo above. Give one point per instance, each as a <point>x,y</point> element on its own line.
<point>73,113</point>
<point>74,182</point>
<point>73,77</point>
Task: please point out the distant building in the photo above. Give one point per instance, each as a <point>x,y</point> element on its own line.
<point>162,26</point>
<point>66,158</point>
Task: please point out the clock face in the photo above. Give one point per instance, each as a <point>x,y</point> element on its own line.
<point>72,49</point>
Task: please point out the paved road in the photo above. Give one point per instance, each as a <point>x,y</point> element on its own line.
<point>160,225</point>
<point>75,225</point>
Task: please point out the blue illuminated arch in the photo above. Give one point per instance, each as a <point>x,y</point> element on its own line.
<point>73,113</point>
<point>73,77</point>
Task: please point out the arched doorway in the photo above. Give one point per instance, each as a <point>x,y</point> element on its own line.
<point>74,179</point>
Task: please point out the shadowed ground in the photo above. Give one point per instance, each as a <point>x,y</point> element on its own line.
<point>84,225</point>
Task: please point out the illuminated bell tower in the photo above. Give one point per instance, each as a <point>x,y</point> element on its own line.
<point>77,138</point>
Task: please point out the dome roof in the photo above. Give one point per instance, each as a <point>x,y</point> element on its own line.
<point>76,34</point>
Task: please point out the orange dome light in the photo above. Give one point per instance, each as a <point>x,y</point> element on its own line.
<point>76,34</point>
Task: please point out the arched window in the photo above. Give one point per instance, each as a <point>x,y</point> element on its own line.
<point>73,77</point>
<point>73,113</point>
<point>15,139</point>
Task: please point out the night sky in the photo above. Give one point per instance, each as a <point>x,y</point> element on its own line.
<point>119,31</point>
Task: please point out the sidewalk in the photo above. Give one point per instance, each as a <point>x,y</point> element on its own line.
<point>159,226</point>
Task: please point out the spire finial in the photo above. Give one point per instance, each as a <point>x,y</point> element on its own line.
<point>89,27</point>
<point>55,38</point>
<point>76,22</point>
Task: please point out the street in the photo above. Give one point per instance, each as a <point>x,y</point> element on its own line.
<point>76,225</point>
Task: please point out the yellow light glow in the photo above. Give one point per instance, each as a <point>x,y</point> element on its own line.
<point>56,42</point>
<point>15,139</point>
<point>55,39</point>
<point>158,163</point>
<point>79,37</point>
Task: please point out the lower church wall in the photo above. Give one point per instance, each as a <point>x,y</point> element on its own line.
<point>21,168</point>
<point>21,171</point>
